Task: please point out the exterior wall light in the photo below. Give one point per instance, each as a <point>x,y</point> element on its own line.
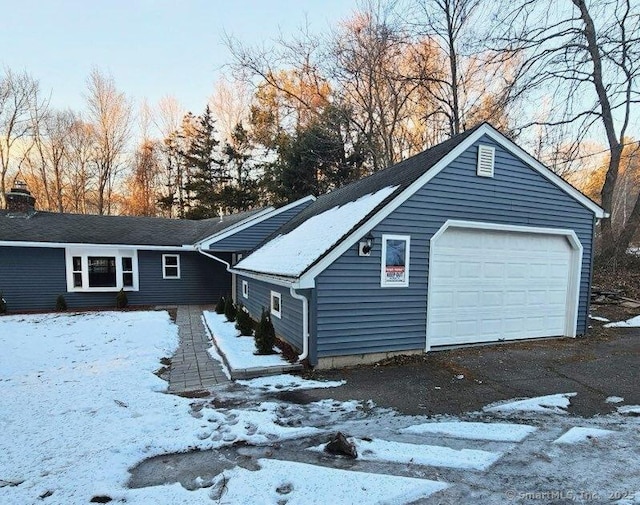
<point>365,245</point>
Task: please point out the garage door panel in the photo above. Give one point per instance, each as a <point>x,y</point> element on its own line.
<point>488,285</point>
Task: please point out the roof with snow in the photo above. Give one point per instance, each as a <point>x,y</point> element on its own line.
<point>313,234</point>
<point>53,227</point>
<point>308,237</point>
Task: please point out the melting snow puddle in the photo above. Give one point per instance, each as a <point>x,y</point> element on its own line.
<point>496,432</point>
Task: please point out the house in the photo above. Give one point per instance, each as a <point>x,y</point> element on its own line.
<point>470,241</point>
<point>88,258</point>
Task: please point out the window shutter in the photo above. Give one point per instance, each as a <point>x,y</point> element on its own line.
<point>486,158</point>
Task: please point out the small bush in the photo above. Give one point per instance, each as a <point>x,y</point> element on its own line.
<point>61,304</point>
<point>229,309</point>
<point>3,304</point>
<point>265,336</point>
<point>121,299</point>
<point>244,323</point>
<point>220,306</point>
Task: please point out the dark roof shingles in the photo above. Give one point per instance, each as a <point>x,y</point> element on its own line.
<point>124,230</point>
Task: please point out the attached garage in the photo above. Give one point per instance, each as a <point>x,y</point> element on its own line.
<point>490,282</point>
<point>471,241</point>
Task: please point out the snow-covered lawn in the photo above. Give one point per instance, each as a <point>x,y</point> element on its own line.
<point>81,407</point>
<point>80,403</point>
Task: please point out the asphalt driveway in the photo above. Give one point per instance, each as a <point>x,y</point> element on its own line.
<point>605,363</point>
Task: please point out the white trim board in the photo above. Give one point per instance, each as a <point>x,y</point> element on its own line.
<point>62,245</point>
<point>307,279</point>
<point>573,301</point>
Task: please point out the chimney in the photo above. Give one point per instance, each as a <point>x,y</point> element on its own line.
<point>19,199</point>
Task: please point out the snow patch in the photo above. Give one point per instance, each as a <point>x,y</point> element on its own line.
<point>238,350</point>
<point>292,253</point>
<point>630,409</point>
<point>287,382</point>
<point>430,455</point>
<point>497,432</point>
<point>578,434</point>
<point>614,399</point>
<point>549,404</point>
<point>598,318</point>
<point>300,483</point>
<point>634,322</point>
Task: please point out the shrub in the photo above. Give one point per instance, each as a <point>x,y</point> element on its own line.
<point>121,299</point>
<point>229,309</point>
<point>61,304</point>
<point>3,304</point>
<point>265,336</point>
<point>220,306</point>
<point>244,323</point>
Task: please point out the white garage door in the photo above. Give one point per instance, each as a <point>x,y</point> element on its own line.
<point>489,285</point>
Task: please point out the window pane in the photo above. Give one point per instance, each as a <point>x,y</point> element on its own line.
<point>396,252</point>
<point>171,271</point>
<point>275,303</point>
<point>77,264</point>
<point>127,264</point>
<point>171,260</point>
<point>127,279</point>
<point>102,271</point>
<point>77,280</point>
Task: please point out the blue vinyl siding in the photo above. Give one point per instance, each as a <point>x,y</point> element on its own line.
<point>32,278</point>
<point>289,327</point>
<point>249,238</point>
<point>355,315</point>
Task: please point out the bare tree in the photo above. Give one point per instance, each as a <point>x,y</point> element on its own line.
<point>110,113</point>
<point>587,56</point>
<point>18,96</point>
<point>79,156</point>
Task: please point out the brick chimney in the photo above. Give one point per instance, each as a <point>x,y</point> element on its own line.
<point>19,199</point>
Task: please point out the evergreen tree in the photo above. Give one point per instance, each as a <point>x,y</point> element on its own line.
<point>230,309</point>
<point>207,172</point>
<point>244,323</point>
<point>242,192</point>
<point>265,335</point>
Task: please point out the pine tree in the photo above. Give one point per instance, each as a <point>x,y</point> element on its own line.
<point>265,335</point>
<point>229,309</point>
<point>207,172</point>
<point>244,323</point>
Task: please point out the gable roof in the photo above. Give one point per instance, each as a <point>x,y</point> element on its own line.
<point>405,178</point>
<point>268,213</point>
<point>60,228</point>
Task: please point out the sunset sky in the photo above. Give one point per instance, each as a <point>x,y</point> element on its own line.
<point>151,47</point>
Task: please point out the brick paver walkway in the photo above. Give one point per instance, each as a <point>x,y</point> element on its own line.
<point>192,368</point>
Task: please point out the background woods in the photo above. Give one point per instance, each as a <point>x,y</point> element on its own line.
<point>308,113</point>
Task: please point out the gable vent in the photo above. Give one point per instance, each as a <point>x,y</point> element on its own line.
<point>486,156</point>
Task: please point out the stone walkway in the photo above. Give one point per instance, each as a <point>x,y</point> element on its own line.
<point>192,368</point>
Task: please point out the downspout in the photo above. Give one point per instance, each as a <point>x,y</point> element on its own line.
<point>227,265</point>
<point>305,322</point>
<point>294,294</point>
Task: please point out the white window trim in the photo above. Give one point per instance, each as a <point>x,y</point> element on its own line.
<point>277,313</point>
<point>383,282</point>
<point>164,266</point>
<point>245,289</point>
<point>85,252</point>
